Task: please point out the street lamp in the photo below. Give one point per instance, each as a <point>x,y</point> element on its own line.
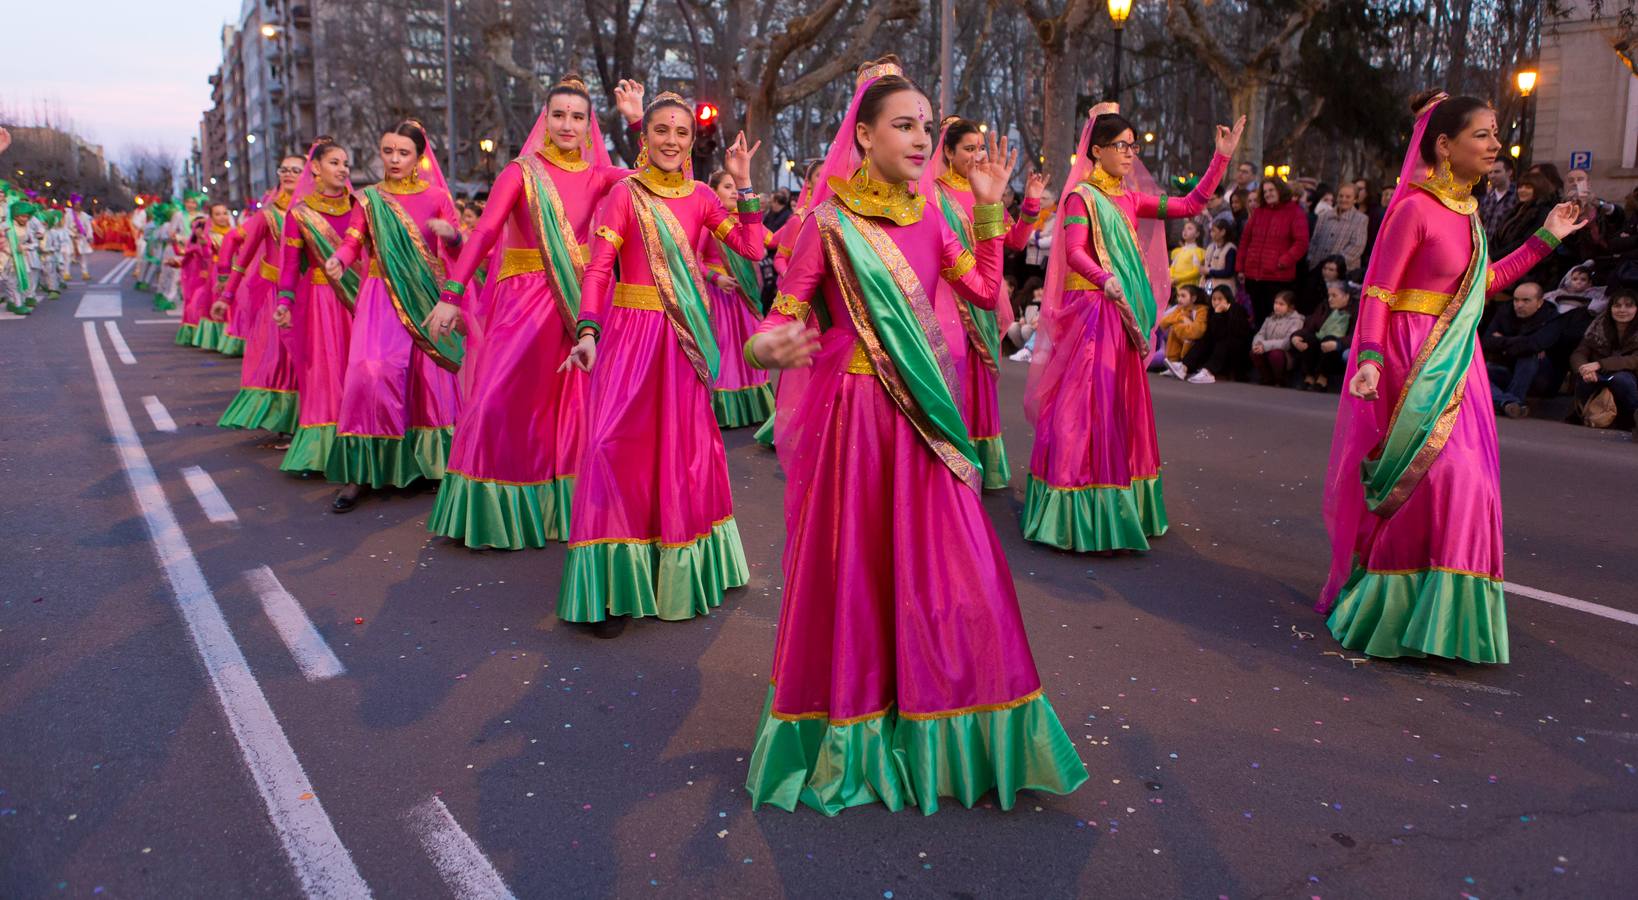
<point>486,145</point>
<point>1148,137</point>
<point>1118,11</point>
<point>1526,81</point>
<point>270,31</point>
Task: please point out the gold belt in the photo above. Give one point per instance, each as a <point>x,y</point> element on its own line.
<point>859,363</point>
<point>716,268</point>
<point>1075,281</point>
<point>638,296</point>
<point>519,261</point>
<point>1416,300</point>
<point>270,271</point>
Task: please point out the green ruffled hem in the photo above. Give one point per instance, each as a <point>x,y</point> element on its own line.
<point>618,578</point>
<point>185,335</point>
<point>1432,612</point>
<point>1086,520</point>
<point>309,448</point>
<point>1150,497</point>
<point>209,334</point>
<point>262,408</point>
<point>764,435</point>
<point>744,407</point>
<point>230,346</point>
<point>992,454</point>
<point>901,762</point>
<point>396,462</point>
<point>498,514</point>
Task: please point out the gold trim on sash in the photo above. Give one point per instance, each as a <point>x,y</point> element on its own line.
<point>315,275</point>
<point>270,271</point>
<point>859,363</point>
<point>637,296</point>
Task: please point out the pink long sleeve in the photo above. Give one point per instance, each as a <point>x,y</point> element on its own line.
<point>980,284</point>
<point>1019,230</point>
<point>1509,269</point>
<point>746,236</point>
<point>1078,233</point>
<point>256,233</point>
<point>804,274</point>
<point>1150,206</point>
<point>596,288</point>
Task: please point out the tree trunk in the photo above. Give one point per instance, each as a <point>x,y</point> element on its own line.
<point>1249,97</point>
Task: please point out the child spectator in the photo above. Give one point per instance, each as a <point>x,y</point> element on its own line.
<point>1184,323</point>
<point>1324,336</point>
<point>1222,351</point>
<point>1022,331</point>
<point>1188,260</point>
<point>1607,360</point>
<point>1312,291</point>
<point>1271,347</point>
<point>1219,267</point>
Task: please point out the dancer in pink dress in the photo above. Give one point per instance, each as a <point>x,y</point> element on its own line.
<point>399,397</point>
<point>232,342</point>
<point>1413,494</point>
<point>741,395</point>
<point>267,376</point>
<point>653,531</point>
<point>512,465</point>
<point>314,311</point>
<point>211,235</point>
<point>979,350</point>
<point>901,673</point>
<point>784,241</point>
<point>194,251</point>
<point>1094,472</point>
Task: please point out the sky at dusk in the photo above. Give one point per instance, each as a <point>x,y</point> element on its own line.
<point>123,73</point>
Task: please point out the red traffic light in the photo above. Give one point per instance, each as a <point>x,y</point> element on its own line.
<point>706,114</point>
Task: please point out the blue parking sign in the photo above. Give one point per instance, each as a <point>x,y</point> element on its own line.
<point>1580,159</point>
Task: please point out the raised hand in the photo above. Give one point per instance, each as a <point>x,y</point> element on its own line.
<point>1565,219</point>
<point>1229,138</point>
<point>628,99</point>
<point>737,161</point>
<point>1035,186</point>
<point>990,173</point>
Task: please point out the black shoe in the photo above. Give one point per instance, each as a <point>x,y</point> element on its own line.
<point>609,628</point>
<point>343,503</point>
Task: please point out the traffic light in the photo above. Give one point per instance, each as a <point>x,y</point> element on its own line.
<point>707,138</point>
<point>706,115</point>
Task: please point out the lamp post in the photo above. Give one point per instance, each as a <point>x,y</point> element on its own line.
<point>1526,81</point>
<point>1118,11</point>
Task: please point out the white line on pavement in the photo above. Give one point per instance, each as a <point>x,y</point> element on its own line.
<point>118,272</point>
<point>466,870</point>
<point>312,654</point>
<point>118,340</point>
<point>322,865</point>
<point>159,414</point>
<point>99,305</point>
<point>209,495</point>
<point>1619,615</point>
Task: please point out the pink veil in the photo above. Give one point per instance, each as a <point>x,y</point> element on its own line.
<point>928,187</point>
<point>1046,367</point>
<point>306,184</point>
<point>1361,424</point>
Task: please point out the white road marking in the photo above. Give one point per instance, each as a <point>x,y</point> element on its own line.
<point>1619,615</point>
<point>118,340</point>
<point>209,495</point>
<point>99,305</point>
<point>311,653</point>
<point>159,414</point>
<point>322,865</point>
<point>118,272</point>
<point>466,870</point>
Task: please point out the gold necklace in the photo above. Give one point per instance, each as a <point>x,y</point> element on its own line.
<point>1105,182</point>
<point>666,184</point>
<point>1456,196</point>
<point>411,185</point>
<point>567,160</point>
<point>869,196</point>
<point>331,206</point>
<point>956,181</point>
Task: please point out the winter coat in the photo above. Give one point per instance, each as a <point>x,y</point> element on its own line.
<point>1275,239</point>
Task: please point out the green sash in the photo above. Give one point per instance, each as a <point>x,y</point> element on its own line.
<point>677,276</point>
<point>316,230</point>
<point>981,326</point>
<point>410,272</point>
<point>744,272</point>
<point>900,333</point>
<point>1116,243</point>
<point>1432,396</point>
<point>559,248</point>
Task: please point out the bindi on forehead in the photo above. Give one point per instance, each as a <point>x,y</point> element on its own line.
<point>923,112</point>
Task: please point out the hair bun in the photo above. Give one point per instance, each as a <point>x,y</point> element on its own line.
<point>1423,97</point>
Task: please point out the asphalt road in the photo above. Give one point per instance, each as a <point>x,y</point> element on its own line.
<point>472,744</point>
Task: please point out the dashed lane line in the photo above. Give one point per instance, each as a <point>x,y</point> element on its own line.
<point>159,414</point>
<point>466,871</point>
<point>313,656</point>
<point>210,497</point>
<point>118,340</point>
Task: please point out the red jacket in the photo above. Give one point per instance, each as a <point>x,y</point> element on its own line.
<point>1275,238</point>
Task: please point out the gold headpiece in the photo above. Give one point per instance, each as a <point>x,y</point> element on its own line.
<point>878,71</point>
<point>573,82</point>
<point>948,121</point>
<point>665,96</point>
